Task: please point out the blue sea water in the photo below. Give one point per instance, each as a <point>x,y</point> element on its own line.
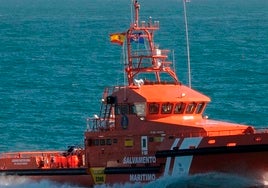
<point>56,58</point>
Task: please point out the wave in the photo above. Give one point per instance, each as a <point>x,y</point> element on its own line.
<point>208,180</point>
<point>23,182</point>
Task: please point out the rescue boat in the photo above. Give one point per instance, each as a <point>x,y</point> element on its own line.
<point>151,127</point>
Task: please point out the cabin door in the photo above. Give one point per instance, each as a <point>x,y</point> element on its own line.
<point>144,145</point>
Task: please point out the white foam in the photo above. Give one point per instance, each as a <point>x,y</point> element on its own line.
<point>23,182</point>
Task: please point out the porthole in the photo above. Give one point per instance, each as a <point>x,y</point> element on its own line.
<point>108,141</point>
<point>115,141</point>
<point>96,142</point>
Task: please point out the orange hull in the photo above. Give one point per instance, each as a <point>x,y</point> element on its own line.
<point>152,127</point>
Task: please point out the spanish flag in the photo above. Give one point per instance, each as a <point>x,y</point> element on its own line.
<point>118,38</point>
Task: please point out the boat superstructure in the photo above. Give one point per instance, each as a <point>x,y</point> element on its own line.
<point>153,126</point>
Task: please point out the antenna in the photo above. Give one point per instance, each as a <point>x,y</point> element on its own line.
<point>187,42</point>
<point>131,12</point>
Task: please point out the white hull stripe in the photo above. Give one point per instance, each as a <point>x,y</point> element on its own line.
<point>167,167</point>
<point>182,164</point>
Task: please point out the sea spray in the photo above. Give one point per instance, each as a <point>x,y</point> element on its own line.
<point>24,182</point>
<point>10,181</point>
<point>208,180</point>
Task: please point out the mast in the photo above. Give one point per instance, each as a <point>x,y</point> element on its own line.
<point>144,59</point>
<point>187,43</point>
<point>137,8</point>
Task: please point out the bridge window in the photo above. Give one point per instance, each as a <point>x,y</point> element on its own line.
<point>124,109</point>
<point>153,108</point>
<point>140,108</point>
<point>179,108</point>
<point>118,109</point>
<point>132,109</point>
<point>199,107</point>
<point>190,108</point>
<point>166,108</point>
